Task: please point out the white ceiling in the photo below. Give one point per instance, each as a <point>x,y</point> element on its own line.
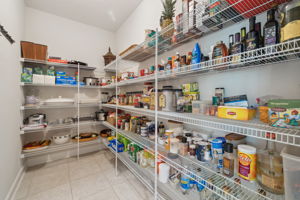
<point>105,14</point>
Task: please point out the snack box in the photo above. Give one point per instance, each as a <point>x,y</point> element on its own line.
<point>284,113</point>
<point>238,113</point>
<point>190,87</point>
<point>61,80</point>
<point>238,101</point>
<point>60,73</point>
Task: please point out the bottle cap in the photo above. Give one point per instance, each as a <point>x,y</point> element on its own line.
<point>228,148</point>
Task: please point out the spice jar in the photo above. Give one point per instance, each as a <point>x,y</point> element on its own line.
<point>183,147</point>
<point>174,145</point>
<point>127,125</point>
<point>152,99</point>
<point>137,100</point>
<point>192,150</point>
<point>144,132</point>
<point>168,135</point>
<point>122,99</point>
<point>129,98</point>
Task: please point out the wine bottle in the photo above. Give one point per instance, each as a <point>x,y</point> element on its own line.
<point>230,44</point>
<point>260,37</point>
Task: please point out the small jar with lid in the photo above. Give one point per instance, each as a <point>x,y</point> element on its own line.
<point>122,99</point>
<point>174,145</point>
<point>144,131</point>
<point>183,147</point>
<point>192,150</point>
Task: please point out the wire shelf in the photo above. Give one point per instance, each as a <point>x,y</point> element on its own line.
<point>62,147</point>
<point>251,128</point>
<point>61,126</point>
<point>146,176</point>
<point>229,12</point>
<point>37,107</point>
<point>202,172</point>
<point>61,65</point>
<point>279,53</point>
<point>60,86</point>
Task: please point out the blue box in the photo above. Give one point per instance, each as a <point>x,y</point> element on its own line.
<point>60,73</point>
<point>61,80</point>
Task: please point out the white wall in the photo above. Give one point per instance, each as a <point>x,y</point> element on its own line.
<point>11,17</point>
<point>67,38</point>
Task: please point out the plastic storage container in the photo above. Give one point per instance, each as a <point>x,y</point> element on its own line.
<point>291,168</point>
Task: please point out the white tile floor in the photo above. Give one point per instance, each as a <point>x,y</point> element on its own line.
<point>92,177</point>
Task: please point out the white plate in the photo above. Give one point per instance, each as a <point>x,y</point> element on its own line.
<point>36,149</point>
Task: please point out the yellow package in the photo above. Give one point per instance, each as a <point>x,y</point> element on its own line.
<point>238,113</point>
<point>247,162</point>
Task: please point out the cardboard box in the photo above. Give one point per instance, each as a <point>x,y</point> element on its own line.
<point>238,113</point>
<point>284,113</point>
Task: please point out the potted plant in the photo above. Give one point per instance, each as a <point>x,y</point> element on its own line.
<point>166,20</point>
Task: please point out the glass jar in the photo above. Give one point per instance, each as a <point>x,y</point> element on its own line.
<point>168,135</point>
<point>137,100</point>
<point>122,99</point>
<point>174,145</point>
<point>192,150</point>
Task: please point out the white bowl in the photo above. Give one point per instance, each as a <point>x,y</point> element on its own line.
<point>61,139</point>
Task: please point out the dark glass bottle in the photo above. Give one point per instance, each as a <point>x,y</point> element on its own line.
<point>258,30</point>
<point>230,44</point>
<point>252,39</point>
<point>243,37</point>
<point>271,29</point>
<point>237,48</point>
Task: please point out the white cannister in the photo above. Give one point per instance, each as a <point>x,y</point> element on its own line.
<point>164,172</point>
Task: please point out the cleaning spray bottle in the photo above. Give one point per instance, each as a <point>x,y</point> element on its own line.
<point>196,57</point>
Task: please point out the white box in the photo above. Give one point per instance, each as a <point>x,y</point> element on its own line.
<point>38,79</point>
<point>49,80</point>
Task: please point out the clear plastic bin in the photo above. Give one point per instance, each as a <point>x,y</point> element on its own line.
<point>291,167</point>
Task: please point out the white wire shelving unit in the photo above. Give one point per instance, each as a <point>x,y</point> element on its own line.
<point>202,172</point>
<point>60,65</point>
<point>49,128</point>
<point>279,53</point>
<point>53,148</point>
<point>72,145</point>
<point>146,176</point>
<point>252,128</point>
<point>230,12</point>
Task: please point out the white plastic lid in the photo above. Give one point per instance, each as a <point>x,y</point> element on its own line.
<point>246,148</point>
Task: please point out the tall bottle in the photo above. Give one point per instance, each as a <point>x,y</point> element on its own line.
<point>252,39</point>
<point>270,168</point>
<point>230,44</point>
<point>258,30</point>
<point>237,48</point>
<point>243,37</point>
<point>271,29</point>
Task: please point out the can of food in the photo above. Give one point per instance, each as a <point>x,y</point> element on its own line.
<point>247,162</point>
<point>217,152</point>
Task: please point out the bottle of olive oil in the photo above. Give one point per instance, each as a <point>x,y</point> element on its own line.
<point>271,29</point>
<point>252,39</point>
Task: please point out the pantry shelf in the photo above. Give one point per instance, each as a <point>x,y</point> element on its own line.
<point>252,128</point>
<point>59,86</point>
<point>202,172</point>
<point>37,107</point>
<point>60,127</point>
<point>279,53</point>
<point>146,176</point>
<point>62,147</point>
<point>60,65</point>
<point>230,12</point>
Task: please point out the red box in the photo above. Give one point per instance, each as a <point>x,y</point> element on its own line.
<point>249,8</point>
